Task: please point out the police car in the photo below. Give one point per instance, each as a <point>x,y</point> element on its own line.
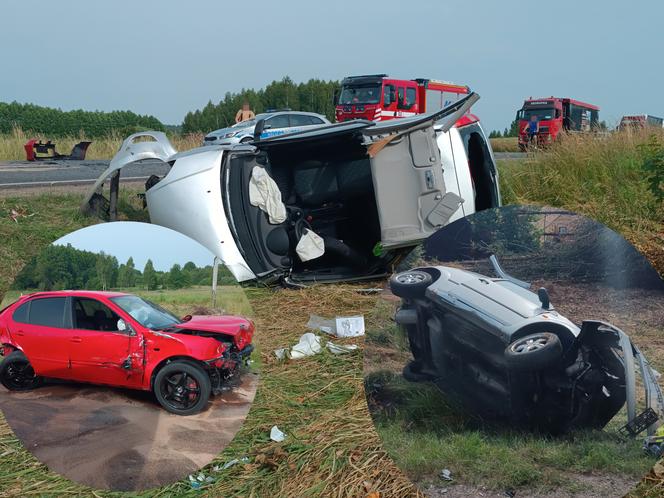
<point>274,123</point>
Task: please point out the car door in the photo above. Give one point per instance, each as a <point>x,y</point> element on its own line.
<point>99,352</point>
<point>411,195</point>
<point>40,329</point>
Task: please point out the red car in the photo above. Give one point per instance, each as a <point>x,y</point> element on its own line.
<point>121,340</point>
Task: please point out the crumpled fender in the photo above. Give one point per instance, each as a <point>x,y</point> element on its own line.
<point>132,151</point>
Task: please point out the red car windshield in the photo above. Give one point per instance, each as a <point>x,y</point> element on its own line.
<point>146,313</point>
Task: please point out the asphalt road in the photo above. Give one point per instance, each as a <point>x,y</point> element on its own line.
<point>23,174</point>
<point>120,439</point>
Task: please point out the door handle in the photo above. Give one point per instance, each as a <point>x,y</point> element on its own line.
<point>76,339</point>
<point>20,332</point>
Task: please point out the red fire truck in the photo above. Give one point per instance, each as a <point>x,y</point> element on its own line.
<point>377,97</point>
<point>554,115</point>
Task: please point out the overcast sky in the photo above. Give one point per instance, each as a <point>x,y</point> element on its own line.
<point>141,241</point>
<point>166,57</point>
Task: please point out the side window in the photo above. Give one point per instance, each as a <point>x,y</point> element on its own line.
<point>21,313</point>
<point>280,121</point>
<point>48,312</point>
<point>401,98</point>
<point>315,120</point>
<point>300,120</point>
<point>411,97</point>
<point>90,314</point>
<point>388,95</point>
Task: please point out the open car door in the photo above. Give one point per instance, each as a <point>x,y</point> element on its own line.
<point>407,173</point>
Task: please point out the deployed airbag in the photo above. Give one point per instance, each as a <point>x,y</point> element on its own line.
<point>310,246</point>
<point>265,194</point>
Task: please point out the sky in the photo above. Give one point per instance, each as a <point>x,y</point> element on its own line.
<point>167,57</point>
<point>141,241</point>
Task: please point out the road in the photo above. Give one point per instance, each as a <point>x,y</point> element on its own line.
<point>120,439</point>
<point>23,174</point>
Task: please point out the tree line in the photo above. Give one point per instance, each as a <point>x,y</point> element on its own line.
<point>65,267</point>
<point>56,122</point>
<point>313,96</point>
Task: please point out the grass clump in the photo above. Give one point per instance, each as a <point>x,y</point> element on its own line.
<point>611,178</point>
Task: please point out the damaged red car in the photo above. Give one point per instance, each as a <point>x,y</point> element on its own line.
<point>121,340</point>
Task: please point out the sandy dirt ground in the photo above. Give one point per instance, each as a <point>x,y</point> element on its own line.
<point>122,439</point>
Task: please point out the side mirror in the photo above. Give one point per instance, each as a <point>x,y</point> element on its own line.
<point>124,327</point>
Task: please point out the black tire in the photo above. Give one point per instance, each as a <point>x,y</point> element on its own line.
<point>410,284</point>
<point>182,388</point>
<point>246,140</point>
<point>534,352</point>
<point>16,373</point>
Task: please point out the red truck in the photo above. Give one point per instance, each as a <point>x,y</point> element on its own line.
<point>377,97</point>
<point>553,115</point>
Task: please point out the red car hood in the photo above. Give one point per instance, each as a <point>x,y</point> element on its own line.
<point>227,324</point>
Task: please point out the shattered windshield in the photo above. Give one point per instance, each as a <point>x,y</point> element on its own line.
<point>146,313</point>
<point>366,94</point>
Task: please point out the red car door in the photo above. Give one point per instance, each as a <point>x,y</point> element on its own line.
<point>99,352</point>
<point>39,328</point>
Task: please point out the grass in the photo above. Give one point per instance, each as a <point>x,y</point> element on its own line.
<point>11,144</point>
<point>505,144</point>
<point>600,177</point>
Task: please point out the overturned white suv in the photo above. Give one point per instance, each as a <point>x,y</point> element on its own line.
<point>338,202</point>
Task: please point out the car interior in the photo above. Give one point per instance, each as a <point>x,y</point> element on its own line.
<point>326,186</point>
<point>90,314</point>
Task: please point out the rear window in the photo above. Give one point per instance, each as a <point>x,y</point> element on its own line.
<point>21,313</point>
<point>48,312</point>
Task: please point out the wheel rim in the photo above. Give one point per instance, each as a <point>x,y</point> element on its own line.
<point>410,278</point>
<point>180,390</point>
<point>20,375</point>
<point>530,345</point>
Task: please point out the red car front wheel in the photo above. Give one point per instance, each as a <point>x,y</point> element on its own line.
<point>182,388</point>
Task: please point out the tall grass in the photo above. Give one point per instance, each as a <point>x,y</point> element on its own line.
<point>603,177</point>
<point>11,144</point>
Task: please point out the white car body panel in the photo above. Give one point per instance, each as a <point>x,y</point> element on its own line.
<point>194,185</point>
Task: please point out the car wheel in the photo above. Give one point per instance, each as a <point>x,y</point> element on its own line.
<point>534,352</point>
<point>16,373</point>
<point>182,388</point>
<point>246,140</point>
<point>410,284</point>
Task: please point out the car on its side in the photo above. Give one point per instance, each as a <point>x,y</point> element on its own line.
<point>345,201</point>
<point>274,123</point>
<point>121,340</point>
<point>504,353</point>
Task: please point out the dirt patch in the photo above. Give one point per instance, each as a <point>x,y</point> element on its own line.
<point>584,486</point>
<point>122,440</point>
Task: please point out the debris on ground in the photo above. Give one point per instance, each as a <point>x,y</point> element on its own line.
<point>16,213</point>
<point>281,353</point>
<point>340,326</point>
<point>446,475</point>
<point>200,480</point>
<point>230,463</point>
<point>309,345</point>
<point>276,435</point>
<point>340,348</point>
